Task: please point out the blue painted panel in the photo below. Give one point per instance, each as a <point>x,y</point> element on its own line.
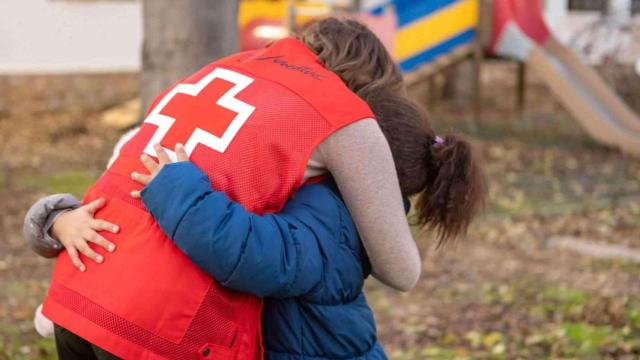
<point>447,46</point>
<point>411,10</point>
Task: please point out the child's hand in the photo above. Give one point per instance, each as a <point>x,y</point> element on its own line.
<point>77,227</point>
<point>155,167</point>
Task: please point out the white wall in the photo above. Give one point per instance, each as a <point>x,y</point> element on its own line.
<point>53,36</point>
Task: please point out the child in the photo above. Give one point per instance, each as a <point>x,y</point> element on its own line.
<point>308,259</point>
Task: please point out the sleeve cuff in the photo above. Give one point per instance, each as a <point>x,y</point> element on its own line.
<point>40,219</point>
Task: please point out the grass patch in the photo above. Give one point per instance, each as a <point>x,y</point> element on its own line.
<point>73,182</point>
<point>579,339</point>
<point>563,300</point>
<point>21,342</point>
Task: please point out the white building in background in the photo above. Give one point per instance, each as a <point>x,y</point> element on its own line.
<point>580,25</point>
<point>59,36</point>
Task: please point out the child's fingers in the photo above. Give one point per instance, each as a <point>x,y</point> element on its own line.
<point>94,206</point>
<point>101,241</point>
<point>102,225</point>
<point>141,178</point>
<point>136,194</point>
<point>88,251</point>
<point>149,163</point>
<point>75,258</point>
<point>181,153</point>
<point>163,158</point>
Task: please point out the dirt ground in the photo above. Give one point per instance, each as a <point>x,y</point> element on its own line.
<point>505,292</point>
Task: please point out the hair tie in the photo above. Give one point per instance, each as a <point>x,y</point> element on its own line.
<point>438,141</point>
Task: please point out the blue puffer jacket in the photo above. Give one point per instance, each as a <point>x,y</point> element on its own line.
<point>306,260</point>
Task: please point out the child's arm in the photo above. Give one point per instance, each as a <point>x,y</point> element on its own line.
<point>274,255</point>
<point>359,158</point>
<point>39,220</point>
<point>60,222</point>
<point>41,217</point>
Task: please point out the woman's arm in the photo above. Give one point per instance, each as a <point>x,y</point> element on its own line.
<point>271,255</point>
<point>360,160</point>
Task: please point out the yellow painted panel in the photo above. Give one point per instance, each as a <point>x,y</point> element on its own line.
<point>435,28</point>
<point>278,10</point>
<point>251,9</point>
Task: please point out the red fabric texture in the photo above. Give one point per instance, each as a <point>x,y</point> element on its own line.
<point>148,300</point>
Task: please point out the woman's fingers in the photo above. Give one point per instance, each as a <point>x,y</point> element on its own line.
<point>149,163</point>
<point>94,206</point>
<point>141,178</point>
<point>163,158</point>
<point>75,258</point>
<point>181,153</point>
<point>101,241</point>
<point>87,251</point>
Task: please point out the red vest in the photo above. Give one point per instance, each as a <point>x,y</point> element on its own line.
<point>250,121</point>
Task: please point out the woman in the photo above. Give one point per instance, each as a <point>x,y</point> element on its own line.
<point>308,259</point>
<point>268,126</point>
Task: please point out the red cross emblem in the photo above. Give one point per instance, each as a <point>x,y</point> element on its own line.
<point>200,122</point>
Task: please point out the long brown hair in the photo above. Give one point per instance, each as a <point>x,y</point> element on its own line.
<point>352,51</point>
<point>443,172</point>
<point>446,176</point>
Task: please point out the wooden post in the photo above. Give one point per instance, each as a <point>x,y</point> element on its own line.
<point>521,89</point>
<point>478,58</point>
<point>483,33</point>
<point>292,16</point>
<point>431,91</point>
<point>357,5</point>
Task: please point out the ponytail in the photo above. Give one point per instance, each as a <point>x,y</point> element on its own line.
<point>443,172</point>
<point>454,189</point>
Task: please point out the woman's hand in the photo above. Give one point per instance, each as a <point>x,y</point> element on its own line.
<point>75,228</point>
<point>155,167</point>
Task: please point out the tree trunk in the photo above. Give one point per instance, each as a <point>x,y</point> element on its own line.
<point>182,36</point>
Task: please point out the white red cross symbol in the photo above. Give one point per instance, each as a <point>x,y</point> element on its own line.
<point>193,101</point>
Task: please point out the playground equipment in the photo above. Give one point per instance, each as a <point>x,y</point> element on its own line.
<point>263,21</point>
<point>429,30</point>
<point>427,36</point>
<point>520,33</point>
<point>421,34</point>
